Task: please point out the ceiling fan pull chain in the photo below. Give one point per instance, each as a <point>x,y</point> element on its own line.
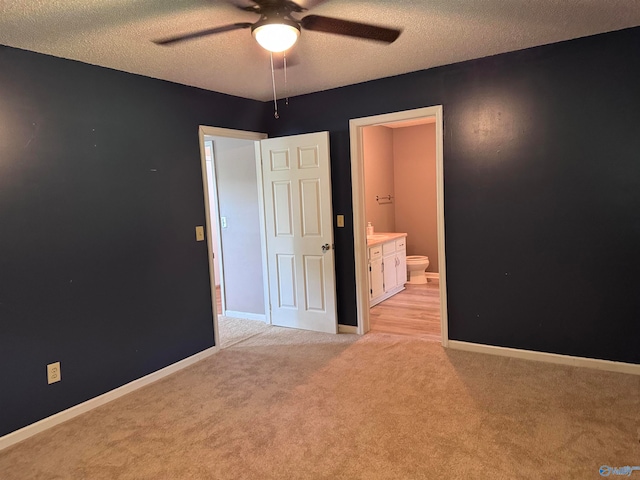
<point>286,88</point>
<point>273,82</point>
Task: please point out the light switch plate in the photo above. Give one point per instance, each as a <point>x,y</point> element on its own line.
<point>340,220</point>
<point>199,233</point>
<point>223,222</point>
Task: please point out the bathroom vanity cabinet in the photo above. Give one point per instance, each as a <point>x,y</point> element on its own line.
<point>387,253</point>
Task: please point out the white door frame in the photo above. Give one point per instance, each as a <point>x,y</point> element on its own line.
<point>359,221</point>
<point>241,135</point>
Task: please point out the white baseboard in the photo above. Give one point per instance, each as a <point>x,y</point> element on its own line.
<point>60,417</point>
<point>246,316</point>
<point>608,365</point>
<point>347,329</point>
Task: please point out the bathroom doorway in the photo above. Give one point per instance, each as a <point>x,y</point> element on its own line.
<point>377,141</point>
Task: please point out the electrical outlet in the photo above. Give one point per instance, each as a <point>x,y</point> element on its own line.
<point>340,220</point>
<point>199,233</point>
<point>53,373</point>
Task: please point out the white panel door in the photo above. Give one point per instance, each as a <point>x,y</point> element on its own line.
<point>297,198</point>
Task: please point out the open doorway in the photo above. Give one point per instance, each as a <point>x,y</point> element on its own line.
<point>401,212</point>
<point>275,228</point>
<point>235,232</point>
<point>394,247</point>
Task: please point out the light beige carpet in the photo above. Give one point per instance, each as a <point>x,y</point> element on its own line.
<point>286,404</point>
<point>234,330</point>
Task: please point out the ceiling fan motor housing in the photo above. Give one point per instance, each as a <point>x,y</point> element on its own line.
<point>275,18</point>
<point>276,30</point>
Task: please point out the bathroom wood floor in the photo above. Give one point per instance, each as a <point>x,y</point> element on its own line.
<point>414,311</point>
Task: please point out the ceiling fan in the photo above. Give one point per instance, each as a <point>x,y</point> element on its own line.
<point>277,30</point>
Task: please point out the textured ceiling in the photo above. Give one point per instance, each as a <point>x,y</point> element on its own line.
<point>118,34</point>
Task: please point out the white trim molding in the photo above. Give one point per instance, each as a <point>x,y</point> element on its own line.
<point>60,417</point>
<point>608,365</point>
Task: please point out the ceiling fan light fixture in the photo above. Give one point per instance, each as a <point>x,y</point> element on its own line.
<point>276,35</point>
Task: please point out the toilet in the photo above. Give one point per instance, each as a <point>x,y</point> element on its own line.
<point>416,266</point>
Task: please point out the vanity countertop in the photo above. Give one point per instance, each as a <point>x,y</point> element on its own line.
<point>382,237</point>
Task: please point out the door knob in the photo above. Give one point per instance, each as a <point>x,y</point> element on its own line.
<point>326,247</point>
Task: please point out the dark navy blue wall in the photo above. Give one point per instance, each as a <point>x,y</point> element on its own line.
<point>100,191</point>
<point>542,190</point>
